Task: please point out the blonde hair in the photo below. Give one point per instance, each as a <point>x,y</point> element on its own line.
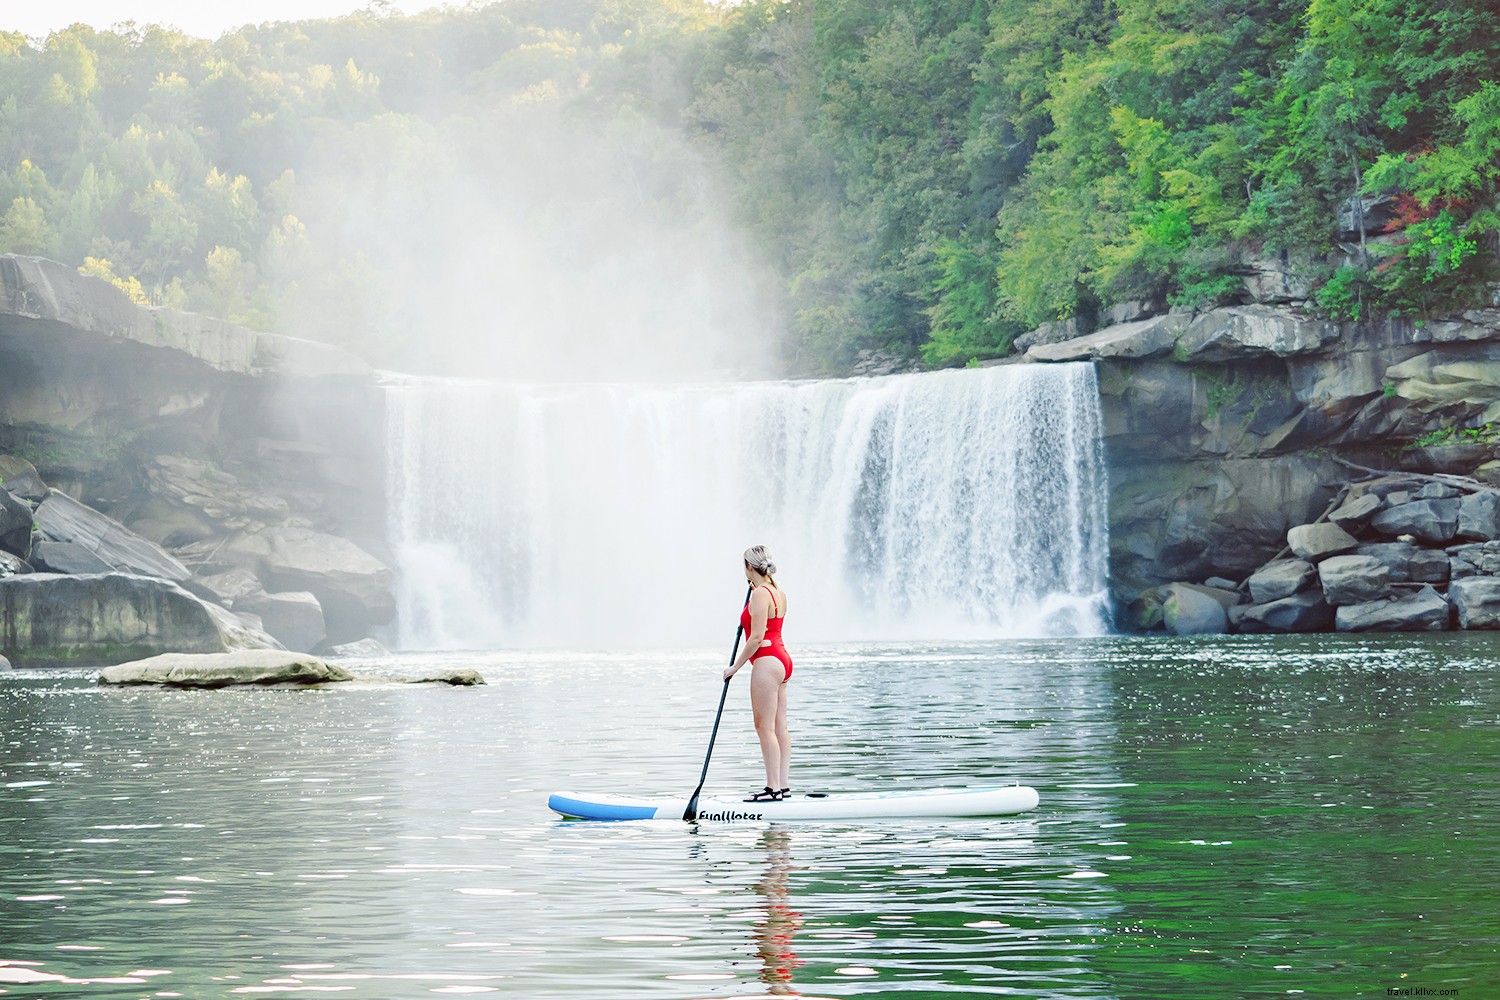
<point>758,558</point>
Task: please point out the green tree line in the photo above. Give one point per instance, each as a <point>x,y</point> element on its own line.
<point>927,176</point>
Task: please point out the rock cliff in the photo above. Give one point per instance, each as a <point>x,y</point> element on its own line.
<point>183,448</point>
<point>1227,429</point>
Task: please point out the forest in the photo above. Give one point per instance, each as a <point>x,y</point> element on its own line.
<point>929,178</point>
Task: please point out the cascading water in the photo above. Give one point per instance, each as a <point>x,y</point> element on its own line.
<point>946,505</point>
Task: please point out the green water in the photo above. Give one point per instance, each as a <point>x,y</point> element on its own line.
<point>1311,816</point>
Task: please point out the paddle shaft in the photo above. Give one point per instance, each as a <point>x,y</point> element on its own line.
<point>691,812</point>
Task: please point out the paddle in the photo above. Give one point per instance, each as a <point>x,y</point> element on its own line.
<point>691,812</point>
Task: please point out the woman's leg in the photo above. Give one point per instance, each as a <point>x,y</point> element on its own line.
<point>766,686</point>
<point>783,738</point>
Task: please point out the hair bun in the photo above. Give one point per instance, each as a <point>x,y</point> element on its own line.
<point>769,569</point>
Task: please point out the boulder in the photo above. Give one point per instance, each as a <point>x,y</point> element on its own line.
<point>225,588</point>
<point>15,524</point>
<point>60,518</point>
<point>1408,564</point>
<point>1475,559</point>
<point>1353,579</point>
<point>67,557</point>
<point>4,663</point>
<point>1239,332</point>
<point>1277,279</point>
<point>216,670</point>
<point>1424,611</point>
<point>1279,579</point>
<point>1356,512</point>
<point>20,477</point>
<point>364,649</point>
<point>352,586</point>
<point>1304,612</point>
<point>192,499</point>
<point>1430,521</point>
<point>295,618</point>
<point>1148,338</point>
<point>1428,566</point>
<point>1479,517</point>
<point>1476,602</point>
<point>1189,611</point>
<point>11,564</point>
<point>1438,491</point>
<point>1315,542</point>
<point>48,620</point>
<point>457,676</point>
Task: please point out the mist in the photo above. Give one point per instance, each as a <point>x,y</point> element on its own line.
<point>524,246</point>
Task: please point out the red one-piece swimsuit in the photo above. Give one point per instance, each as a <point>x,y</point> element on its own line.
<point>772,646</point>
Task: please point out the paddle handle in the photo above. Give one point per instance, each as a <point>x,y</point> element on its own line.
<point>691,812</point>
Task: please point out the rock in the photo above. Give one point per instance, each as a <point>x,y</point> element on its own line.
<point>1189,611</point>
<point>295,618</point>
<point>1395,556</point>
<point>1479,517</point>
<point>1430,521</point>
<point>1475,559</point>
<point>1239,332</point>
<point>61,518</point>
<point>1277,279</point>
<point>1353,579</point>
<point>1476,602</point>
<point>67,557</point>
<point>227,587</point>
<point>459,677</point>
<point>4,663</point>
<point>1219,583</point>
<point>1054,332</point>
<point>47,620</point>
<point>15,524</point>
<point>11,564</point>
<point>1133,311</point>
<point>1279,579</point>
<point>20,477</point>
<point>1315,542</point>
<point>193,499</point>
<point>1428,566</point>
<point>1438,491</point>
<point>1356,512</point>
<point>1147,338</point>
<point>352,586</point>
<point>364,649</point>
<point>1424,611</point>
<point>1304,612</point>
<point>216,670</point>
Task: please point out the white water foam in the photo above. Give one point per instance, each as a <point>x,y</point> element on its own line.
<point>957,504</point>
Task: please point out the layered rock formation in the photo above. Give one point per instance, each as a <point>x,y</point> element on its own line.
<point>1227,430</point>
<point>182,449</point>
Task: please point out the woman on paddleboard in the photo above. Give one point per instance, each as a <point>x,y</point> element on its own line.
<point>770,669</point>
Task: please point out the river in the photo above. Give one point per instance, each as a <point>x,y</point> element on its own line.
<point>1301,816</point>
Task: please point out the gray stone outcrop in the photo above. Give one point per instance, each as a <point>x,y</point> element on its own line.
<point>1424,611</point>
<point>1476,602</point>
<point>1353,579</point>
<point>295,618</point>
<point>1315,542</point>
<point>60,518</point>
<point>1431,521</point>
<point>1188,610</point>
<point>245,667</point>
<point>1279,579</point>
<point>1304,612</point>
<point>49,619</point>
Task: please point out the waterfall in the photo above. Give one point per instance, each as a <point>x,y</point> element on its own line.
<point>953,504</point>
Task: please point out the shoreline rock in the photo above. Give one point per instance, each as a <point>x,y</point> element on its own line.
<point>261,668</point>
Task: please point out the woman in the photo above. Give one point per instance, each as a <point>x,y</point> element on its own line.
<point>770,669</point>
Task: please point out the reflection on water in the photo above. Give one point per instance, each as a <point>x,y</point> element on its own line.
<point>1218,818</point>
<point>776,932</point>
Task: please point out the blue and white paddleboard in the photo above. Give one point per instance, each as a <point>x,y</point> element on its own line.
<point>1003,800</point>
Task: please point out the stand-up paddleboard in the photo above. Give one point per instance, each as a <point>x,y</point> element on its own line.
<point>1003,800</point>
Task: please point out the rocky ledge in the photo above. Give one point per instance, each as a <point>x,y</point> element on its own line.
<point>259,668</point>
<point>1228,431</point>
<point>233,467</point>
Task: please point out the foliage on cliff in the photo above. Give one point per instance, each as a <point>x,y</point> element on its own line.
<point>921,174</point>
